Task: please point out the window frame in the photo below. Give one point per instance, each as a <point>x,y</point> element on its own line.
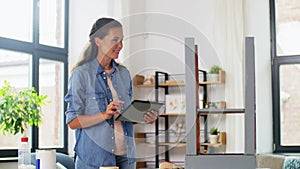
<point>39,51</point>
<point>278,61</point>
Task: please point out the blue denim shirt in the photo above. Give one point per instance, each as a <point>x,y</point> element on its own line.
<point>89,93</point>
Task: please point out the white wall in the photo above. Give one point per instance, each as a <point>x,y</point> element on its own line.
<point>167,24</point>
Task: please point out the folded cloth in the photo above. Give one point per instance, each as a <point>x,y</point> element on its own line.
<point>291,163</point>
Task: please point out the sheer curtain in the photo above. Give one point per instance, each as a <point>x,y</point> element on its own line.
<point>228,40</point>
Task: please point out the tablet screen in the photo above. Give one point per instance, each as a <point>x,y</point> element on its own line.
<point>136,110</point>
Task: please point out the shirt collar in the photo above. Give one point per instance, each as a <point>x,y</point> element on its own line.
<point>100,70</point>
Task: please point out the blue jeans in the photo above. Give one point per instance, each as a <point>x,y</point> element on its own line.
<point>122,163</point>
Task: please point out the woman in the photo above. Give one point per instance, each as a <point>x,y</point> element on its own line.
<point>99,88</point>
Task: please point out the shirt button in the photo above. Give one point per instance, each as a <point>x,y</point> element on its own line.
<point>111,125</point>
<point>112,150</point>
<point>112,138</point>
<point>126,134</point>
<point>120,96</point>
<point>104,73</point>
<point>110,100</point>
<point>104,77</point>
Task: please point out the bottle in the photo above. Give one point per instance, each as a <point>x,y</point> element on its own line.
<point>24,158</point>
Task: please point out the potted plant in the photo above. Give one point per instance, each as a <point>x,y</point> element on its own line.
<point>214,135</point>
<point>215,69</point>
<point>19,108</point>
<point>214,73</point>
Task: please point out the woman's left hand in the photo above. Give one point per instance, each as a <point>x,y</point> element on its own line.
<point>150,116</point>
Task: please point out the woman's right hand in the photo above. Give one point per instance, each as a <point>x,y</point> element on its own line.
<point>112,109</point>
<point>84,121</point>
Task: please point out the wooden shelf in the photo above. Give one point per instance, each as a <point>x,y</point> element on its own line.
<point>220,111</point>
<point>210,144</point>
<point>139,79</point>
<point>162,85</point>
<point>138,82</point>
<point>172,114</point>
<point>144,85</point>
<point>209,83</point>
<point>171,84</point>
<point>177,84</point>
<point>148,132</point>
<point>175,144</point>
<point>172,144</point>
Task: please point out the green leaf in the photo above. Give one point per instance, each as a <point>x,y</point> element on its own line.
<point>19,108</point>
<point>215,69</point>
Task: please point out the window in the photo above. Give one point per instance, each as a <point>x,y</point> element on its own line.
<point>33,53</point>
<point>15,68</point>
<point>51,80</point>
<point>18,25</point>
<point>52,23</point>
<point>285,36</point>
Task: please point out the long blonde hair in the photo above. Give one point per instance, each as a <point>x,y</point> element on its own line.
<point>100,29</point>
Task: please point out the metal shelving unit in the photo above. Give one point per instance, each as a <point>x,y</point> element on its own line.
<point>194,159</point>
<point>166,143</point>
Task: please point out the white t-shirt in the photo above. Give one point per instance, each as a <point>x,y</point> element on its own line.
<point>120,146</point>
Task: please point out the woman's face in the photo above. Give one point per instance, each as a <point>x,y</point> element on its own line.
<point>111,45</point>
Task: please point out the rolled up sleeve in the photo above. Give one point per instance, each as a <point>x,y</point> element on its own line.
<point>75,97</point>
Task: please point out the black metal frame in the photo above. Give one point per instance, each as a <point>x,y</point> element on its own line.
<point>277,61</point>
<point>157,86</point>
<point>205,102</point>
<point>39,51</point>
<point>166,118</point>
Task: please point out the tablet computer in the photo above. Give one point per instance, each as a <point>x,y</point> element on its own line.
<point>136,110</point>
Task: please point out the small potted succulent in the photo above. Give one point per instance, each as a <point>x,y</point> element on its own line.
<point>19,108</point>
<point>215,69</point>
<point>214,73</point>
<point>214,135</point>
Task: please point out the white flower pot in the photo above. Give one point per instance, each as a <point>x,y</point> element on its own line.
<point>213,139</point>
<point>213,77</point>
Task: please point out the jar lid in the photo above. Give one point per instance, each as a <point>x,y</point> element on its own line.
<point>24,139</point>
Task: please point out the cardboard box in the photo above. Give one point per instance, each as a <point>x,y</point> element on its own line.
<point>223,137</point>
<point>138,79</point>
